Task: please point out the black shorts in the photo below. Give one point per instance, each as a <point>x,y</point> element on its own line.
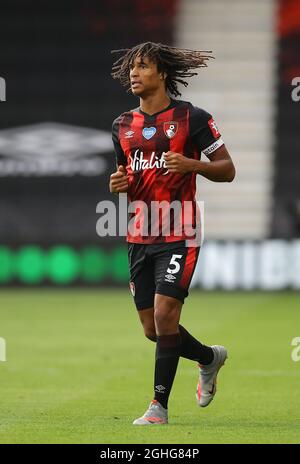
<point>164,268</point>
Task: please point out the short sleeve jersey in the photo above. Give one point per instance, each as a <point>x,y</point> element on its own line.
<point>140,142</point>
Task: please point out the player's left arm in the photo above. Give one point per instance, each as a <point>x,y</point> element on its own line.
<point>206,138</point>
<point>220,168</point>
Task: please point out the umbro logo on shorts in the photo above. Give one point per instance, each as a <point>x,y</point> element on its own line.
<point>169,277</point>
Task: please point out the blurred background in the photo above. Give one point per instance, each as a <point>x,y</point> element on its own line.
<point>55,144</point>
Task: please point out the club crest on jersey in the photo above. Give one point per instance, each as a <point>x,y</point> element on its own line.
<point>132,288</point>
<point>148,132</point>
<point>170,129</point>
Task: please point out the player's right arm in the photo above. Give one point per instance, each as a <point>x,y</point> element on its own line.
<point>118,182</point>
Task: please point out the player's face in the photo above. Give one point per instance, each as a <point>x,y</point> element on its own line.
<point>144,77</point>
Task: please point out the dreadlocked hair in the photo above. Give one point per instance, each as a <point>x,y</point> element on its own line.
<point>175,62</point>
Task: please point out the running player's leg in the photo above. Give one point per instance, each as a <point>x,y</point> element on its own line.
<point>191,348</point>
<point>166,316</point>
<point>174,271</point>
<point>142,287</point>
<point>167,309</point>
<point>175,267</point>
<point>172,339</point>
<point>164,321</point>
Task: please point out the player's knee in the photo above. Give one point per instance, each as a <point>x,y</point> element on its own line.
<point>165,314</point>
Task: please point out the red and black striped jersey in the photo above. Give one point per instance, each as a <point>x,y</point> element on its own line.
<point>140,141</point>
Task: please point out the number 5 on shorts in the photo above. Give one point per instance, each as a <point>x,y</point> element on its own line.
<point>174,263</point>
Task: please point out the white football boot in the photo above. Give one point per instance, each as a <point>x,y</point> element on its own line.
<point>155,415</point>
<point>207,384</point>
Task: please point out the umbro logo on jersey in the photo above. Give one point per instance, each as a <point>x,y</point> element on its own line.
<point>129,134</point>
<point>170,129</point>
<point>148,132</point>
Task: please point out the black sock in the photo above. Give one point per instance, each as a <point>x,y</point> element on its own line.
<point>166,361</point>
<point>194,350</point>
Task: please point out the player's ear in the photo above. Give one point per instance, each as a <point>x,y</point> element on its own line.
<point>163,76</point>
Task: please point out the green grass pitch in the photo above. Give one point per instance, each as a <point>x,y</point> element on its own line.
<point>79,370</point>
